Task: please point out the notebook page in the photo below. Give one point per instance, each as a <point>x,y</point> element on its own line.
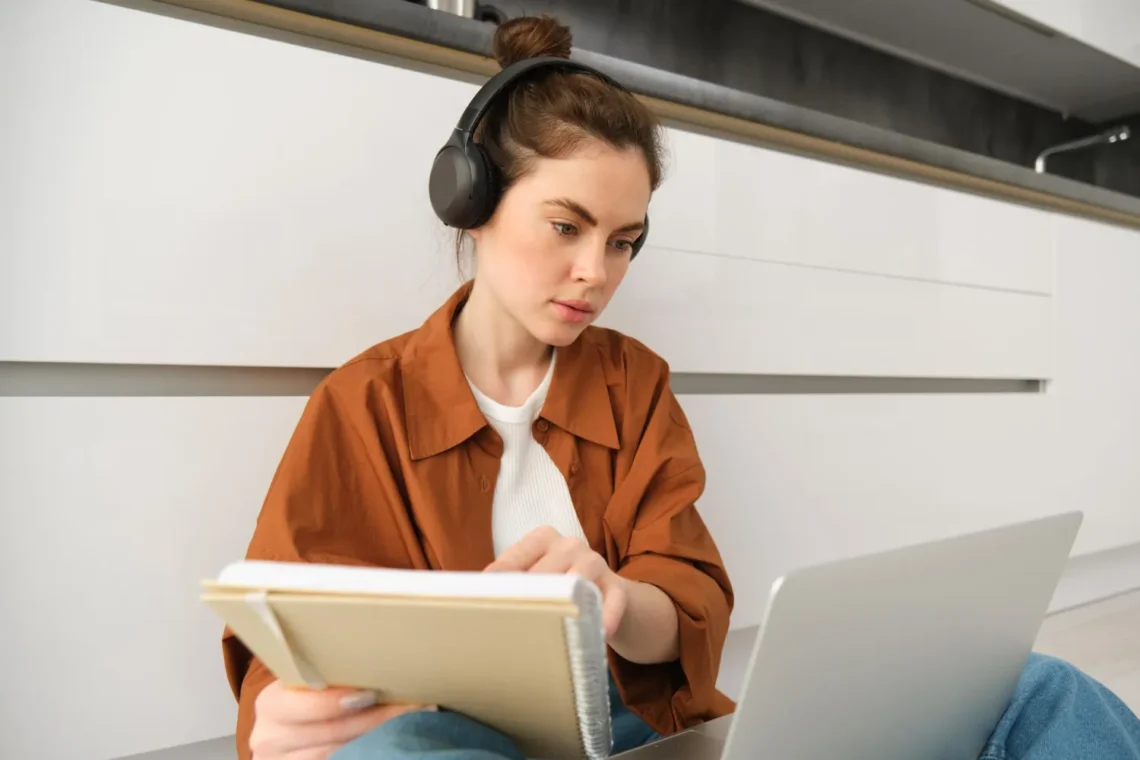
<point>338,579</point>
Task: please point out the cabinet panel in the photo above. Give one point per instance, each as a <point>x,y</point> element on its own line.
<point>775,206</point>
<point>235,200</point>
<point>113,511</point>
<point>1097,380</point>
<point>683,212</point>
<point>796,480</point>
<point>719,314</point>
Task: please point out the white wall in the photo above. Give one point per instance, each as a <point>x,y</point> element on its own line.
<point>1109,25</point>
<point>175,193</point>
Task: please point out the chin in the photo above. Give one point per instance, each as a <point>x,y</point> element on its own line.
<point>558,335</point>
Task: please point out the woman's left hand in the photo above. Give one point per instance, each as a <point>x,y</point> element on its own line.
<point>545,550</point>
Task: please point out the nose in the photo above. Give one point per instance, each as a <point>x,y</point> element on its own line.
<point>590,264</point>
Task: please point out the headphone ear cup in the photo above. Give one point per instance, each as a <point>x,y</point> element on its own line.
<point>463,186</point>
<point>449,185</point>
<point>637,244</point>
<point>485,186</point>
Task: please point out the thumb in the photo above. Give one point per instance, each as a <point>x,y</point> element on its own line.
<point>615,599</point>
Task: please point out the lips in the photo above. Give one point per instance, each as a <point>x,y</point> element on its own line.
<point>574,312</point>
<point>582,306</point>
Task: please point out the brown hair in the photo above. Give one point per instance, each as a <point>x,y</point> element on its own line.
<point>553,112</point>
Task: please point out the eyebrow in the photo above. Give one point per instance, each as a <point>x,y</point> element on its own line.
<point>579,210</point>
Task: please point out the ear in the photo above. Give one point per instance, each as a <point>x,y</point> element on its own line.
<point>475,234</point>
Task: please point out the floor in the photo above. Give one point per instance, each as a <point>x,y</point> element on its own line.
<point>1102,639</point>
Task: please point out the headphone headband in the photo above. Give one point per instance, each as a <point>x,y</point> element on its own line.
<point>507,78</point>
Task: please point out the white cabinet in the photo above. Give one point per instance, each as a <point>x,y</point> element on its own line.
<point>1097,381</point>
<point>998,244</point>
<point>683,212</point>
<point>202,196</point>
<point>779,207</point>
<point>240,201</point>
<point>794,480</point>
<point>734,315</point>
<point>113,511</point>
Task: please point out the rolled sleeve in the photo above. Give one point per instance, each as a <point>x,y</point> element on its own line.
<point>703,609</point>
<point>669,546</point>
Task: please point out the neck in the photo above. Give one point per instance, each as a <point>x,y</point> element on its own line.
<point>497,354</point>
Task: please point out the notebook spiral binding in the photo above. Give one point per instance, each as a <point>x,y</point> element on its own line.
<point>586,642</point>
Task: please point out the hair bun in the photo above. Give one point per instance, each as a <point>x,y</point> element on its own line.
<point>530,37</point>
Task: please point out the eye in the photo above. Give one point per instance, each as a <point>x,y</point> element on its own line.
<point>564,228</point>
<point>624,246</point>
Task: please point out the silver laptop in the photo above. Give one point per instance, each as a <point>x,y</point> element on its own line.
<point>912,653</point>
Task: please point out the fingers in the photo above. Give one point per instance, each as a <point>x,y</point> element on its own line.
<point>544,550</point>
<point>303,723</point>
<point>522,555</point>
<point>283,704</point>
<point>566,555</point>
<point>573,557</point>
<point>343,730</point>
<point>303,740</point>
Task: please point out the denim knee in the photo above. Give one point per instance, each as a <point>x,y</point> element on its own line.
<point>1059,712</point>
<point>1049,679</point>
<point>1049,690</point>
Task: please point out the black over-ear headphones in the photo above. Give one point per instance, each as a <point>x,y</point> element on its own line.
<point>464,183</point>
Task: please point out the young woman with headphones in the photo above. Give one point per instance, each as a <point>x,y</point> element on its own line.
<point>506,433</point>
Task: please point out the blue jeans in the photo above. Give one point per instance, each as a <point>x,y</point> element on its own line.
<point>1057,713</point>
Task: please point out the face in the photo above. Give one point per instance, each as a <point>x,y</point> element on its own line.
<point>561,237</point>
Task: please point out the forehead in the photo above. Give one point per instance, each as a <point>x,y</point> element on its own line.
<point>604,179</point>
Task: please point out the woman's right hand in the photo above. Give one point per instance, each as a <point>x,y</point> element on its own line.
<point>303,724</point>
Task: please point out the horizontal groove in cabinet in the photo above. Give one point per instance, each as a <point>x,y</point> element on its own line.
<point>695,383</point>
<point>47,379</point>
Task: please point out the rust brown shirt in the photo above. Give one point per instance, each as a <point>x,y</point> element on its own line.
<point>393,465</point>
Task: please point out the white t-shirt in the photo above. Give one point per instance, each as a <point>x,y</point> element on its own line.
<point>530,491</point>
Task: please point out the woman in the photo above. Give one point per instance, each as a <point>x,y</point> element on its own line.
<point>508,434</point>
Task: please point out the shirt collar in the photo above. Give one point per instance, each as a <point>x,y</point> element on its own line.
<point>441,411</point>
<point>579,398</point>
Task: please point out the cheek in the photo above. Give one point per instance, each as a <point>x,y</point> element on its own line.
<point>615,273</point>
<point>528,262</point>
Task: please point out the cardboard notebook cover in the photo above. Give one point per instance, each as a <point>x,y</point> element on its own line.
<point>523,653</point>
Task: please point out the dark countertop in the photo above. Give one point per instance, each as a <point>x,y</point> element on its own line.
<point>376,24</point>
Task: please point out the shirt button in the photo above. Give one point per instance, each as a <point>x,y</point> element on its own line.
<point>484,484</point>
<point>542,426</point>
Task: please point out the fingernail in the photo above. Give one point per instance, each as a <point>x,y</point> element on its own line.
<point>358,700</point>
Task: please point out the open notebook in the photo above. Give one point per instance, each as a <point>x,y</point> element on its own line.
<point>524,653</point>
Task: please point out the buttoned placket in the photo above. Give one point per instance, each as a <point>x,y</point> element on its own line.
<point>562,446</point>
<point>490,444</point>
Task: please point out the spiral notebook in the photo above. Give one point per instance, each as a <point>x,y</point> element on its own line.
<point>524,653</point>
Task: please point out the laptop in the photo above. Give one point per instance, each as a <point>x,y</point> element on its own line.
<point>911,653</point>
